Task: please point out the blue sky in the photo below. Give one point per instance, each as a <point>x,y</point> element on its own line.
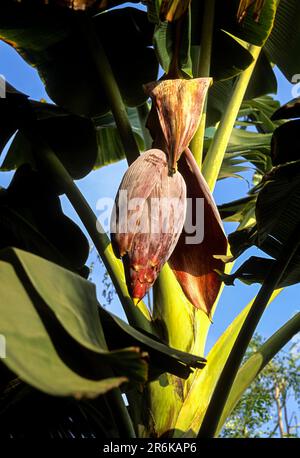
<point>104,183</point>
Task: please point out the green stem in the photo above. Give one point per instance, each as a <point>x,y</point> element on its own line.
<point>202,69</point>
<point>108,82</point>
<point>143,112</point>
<point>215,155</point>
<point>223,387</point>
<point>256,363</point>
<point>122,418</point>
<point>50,164</point>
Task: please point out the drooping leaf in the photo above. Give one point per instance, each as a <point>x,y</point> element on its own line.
<point>30,204</point>
<point>74,305</point>
<point>247,150</point>
<point>255,270</point>
<point>283,43</point>
<point>277,209</point>
<point>162,39</point>
<point>69,313</point>
<point>243,140</point>
<point>171,51</point>
<point>288,110</point>
<point>252,29</point>
<point>217,100</point>
<point>286,143</point>
<point>242,239</point>
<point>265,105</point>
<point>9,113</point>
<point>55,33</point>
<point>277,216</point>
<point>71,137</point>
<point>235,211</point>
<point>19,232</point>
<point>30,351</point>
<point>163,358</point>
<point>229,53</point>
<point>97,144</point>
<point>231,167</point>
<point>110,146</point>
<point>229,57</point>
<point>244,7</point>
<point>29,26</point>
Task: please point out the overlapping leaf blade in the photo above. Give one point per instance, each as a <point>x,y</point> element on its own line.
<point>49,38</point>
<point>30,351</point>
<point>277,215</point>
<point>283,43</point>
<point>82,145</point>
<point>69,314</point>
<point>163,357</point>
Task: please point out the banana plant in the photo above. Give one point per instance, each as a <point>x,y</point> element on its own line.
<point>206,115</point>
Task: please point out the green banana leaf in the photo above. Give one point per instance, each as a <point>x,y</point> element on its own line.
<point>289,110</point>
<point>49,38</point>
<point>82,145</point>
<point>235,211</point>
<point>229,56</point>
<point>264,105</point>
<point>163,39</point>
<point>162,357</point>
<point>69,313</point>
<point>249,30</point>
<point>32,219</point>
<point>283,43</point>
<point>277,208</point>
<point>255,269</point>
<point>110,147</point>
<point>276,215</point>
<point>30,352</point>
<point>74,307</point>
<point>263,81</point>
